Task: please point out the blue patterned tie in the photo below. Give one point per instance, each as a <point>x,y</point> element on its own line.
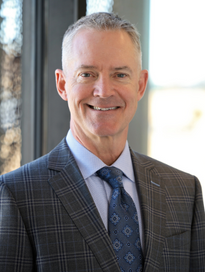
<point>123,223</point>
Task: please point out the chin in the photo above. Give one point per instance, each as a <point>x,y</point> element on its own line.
<point>105,132</point>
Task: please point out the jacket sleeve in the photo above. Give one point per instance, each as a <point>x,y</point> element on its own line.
<point>197,254</point>
<point>15,248</point>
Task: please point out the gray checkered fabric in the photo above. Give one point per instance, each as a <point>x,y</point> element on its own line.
<point>49,222</point>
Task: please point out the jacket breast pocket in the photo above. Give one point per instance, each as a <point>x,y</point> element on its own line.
<point>178,241</point>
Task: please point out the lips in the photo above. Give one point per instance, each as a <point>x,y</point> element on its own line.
<point>103,109</point>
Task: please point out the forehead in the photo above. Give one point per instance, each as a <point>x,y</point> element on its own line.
<point>108,45</point>
<point>90,36</point>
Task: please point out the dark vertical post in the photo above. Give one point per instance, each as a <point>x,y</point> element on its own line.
<point>28,81</point>
<point>38,82</point>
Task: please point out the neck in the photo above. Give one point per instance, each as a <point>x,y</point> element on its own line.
<point>106,148</point>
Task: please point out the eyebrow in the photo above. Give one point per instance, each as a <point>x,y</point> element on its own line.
<point>87,67</point>
<point>95,67</point>
<point>123,68</point>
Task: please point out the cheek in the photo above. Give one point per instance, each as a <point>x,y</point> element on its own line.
<point>77,98</point>
<point>130,97</point>
<point>132,103</point>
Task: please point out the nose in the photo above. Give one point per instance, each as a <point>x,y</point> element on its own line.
<point>103,87</point>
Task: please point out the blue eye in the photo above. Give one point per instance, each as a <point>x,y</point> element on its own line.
<point>85,75</point>
<point>121,75</point>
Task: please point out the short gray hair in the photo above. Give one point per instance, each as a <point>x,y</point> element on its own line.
<point>99,21</point>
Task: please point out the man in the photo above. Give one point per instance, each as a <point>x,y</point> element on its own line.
<point>56,211</point>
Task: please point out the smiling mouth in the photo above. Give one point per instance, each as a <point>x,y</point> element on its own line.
<point>102,109</point>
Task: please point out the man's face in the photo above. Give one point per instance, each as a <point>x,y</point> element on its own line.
<point>102,82</point>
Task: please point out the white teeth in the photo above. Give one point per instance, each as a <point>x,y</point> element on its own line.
<point>104,109</point>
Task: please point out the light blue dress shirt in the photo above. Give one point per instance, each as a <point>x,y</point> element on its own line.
<point>100,190</point>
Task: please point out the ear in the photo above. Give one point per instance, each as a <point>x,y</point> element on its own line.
<point>142,84</point>
<point>60,84</point>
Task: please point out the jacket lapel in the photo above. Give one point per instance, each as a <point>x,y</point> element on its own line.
<point>151,193</point>
<point>71,189</point>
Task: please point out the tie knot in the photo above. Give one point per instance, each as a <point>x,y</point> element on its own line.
<point>112,175</point>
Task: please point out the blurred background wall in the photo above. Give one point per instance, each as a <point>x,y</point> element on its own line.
<point>170,121</point>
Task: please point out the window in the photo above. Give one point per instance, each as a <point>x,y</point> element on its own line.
<point>10,84</point>
<point>177,84</point>
<point>99,6</point>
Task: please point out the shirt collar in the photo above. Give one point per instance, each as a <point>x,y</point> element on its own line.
<point>88,163</point>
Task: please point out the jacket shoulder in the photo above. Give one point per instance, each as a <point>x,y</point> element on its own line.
<point>30,169</point>
<point>159,168</point>
<point>40,168</point>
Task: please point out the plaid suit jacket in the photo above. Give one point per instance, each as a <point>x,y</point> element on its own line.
<point>49,222</point>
